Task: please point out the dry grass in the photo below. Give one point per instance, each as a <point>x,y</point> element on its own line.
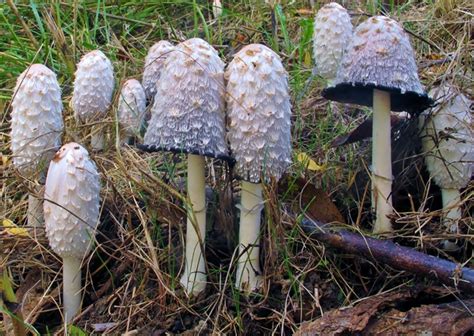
<point>131,278</point>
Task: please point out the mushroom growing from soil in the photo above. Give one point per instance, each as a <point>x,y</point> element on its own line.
<point>37,126</point>
<point>71,212</point>
<point>93,90</point>
<point>188,117</point>
<point>154,61</point>
<point>131,108</point>
<point>379,70</point>
<point>448,145</point>
<point>332,33</point>
<point>259,112</point>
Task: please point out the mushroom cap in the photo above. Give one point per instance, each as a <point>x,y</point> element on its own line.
<point>379,56</point>
<point>154,62</point>
<point>71,206</point>
<point>131,107</point>
<point>448,139</point>
<point>93,87</point>
<point>37,121</point>
<point>332,33</point>
<point>188,113</point>
<point>259,113</point>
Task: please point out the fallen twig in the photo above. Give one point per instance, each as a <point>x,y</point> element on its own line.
<point>394,255</point>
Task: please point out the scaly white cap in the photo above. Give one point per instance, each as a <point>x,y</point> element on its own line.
<point>93,87</point>
<point>448,138</point>
<point>71,205</point>
<point>379,56</point>
<point>259,112</point>
<point>131,107</point>
<point>188,113</point>
<point>154,61</point>
<point>37,121</point>
<point>332,34</point>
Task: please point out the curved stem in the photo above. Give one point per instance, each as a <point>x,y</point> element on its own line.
<point>248,265</point>
<point>381,162</point>
<point>71,287</point>
<point>194,277</point>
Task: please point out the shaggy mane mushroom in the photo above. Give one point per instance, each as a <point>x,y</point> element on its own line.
<point>259,112</point>
<point>379,70</point>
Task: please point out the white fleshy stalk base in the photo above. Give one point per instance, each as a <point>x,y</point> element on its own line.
<point>97,138</point>
<point>248,276</point>
<point>71,287</point>
<point>381,162</point>
<point>35,215</point>
<point>451,214</point>
<point>194,276</point>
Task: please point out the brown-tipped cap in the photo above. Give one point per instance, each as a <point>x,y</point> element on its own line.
<point>380,57</point>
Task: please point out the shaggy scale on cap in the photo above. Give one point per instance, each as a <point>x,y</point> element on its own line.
<point>37,121</point>
<point>154,62</point>
<point>71,207</point>
<point>259,112</point>
<point>93,87</point>
<point>188,112</point>
<point>131,107</point>
<point>448,139</point>
<point>332,33</point>
<point>380,57</point>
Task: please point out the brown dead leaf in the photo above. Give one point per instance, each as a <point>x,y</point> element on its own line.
<point>33,298</point>
<point>318,205</point>
<point>364,131</point>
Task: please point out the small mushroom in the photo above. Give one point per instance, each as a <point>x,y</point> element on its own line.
<point>131,108</point>
<point>259,112</point>
<point>71,211</point>
<point>217,8</point>
<point>188,117</point>
<point>37,126</point>
<point>93,90</point>
<point>448,145</point>
<point>332,33</point>
<point>154,61</point>
<point>378,69</point>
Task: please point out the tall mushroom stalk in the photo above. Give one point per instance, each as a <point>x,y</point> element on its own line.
<point>379,70</point>
<point>259,112</point>
<point>332,33</point>
<point>37,126</point>
<point>188,117</point>
<point>131,109</point>
<point>71,210</point>
<point>92,96</point>
<point>448,146</point>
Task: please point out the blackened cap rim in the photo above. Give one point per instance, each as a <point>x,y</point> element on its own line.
<point>362,94</point>
<point>154,148</point>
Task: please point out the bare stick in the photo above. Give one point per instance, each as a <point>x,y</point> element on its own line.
<point>394,255</point>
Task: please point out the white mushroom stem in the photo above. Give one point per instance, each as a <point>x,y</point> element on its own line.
<point>248,265</point>
<point>97,137</point>
<point>381,162</point>
<point>194,277</point>
<point>451,202</point>
<point>71,287</point>
<point>35,215</point>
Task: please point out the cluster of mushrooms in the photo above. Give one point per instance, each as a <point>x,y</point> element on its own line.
<point>374,66</point>
<point>241,113</point>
